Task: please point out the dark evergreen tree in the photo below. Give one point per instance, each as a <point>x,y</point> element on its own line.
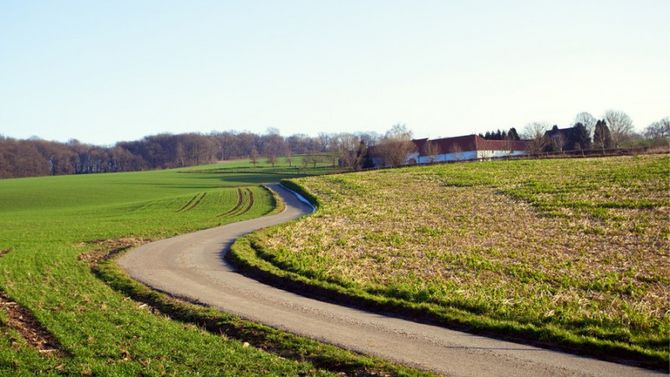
<point>512,134</point>
<point>579,138</point>
<point>602,138</point>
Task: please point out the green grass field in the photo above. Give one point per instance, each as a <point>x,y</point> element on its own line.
<point>571,252</point>
<point>47,223</point>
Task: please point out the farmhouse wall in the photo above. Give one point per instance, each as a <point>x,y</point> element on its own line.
<point>457,156</point>
<point>499,153</point>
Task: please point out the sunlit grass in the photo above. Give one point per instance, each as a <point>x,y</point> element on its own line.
<point>576,247</point>
<point>48,222</point>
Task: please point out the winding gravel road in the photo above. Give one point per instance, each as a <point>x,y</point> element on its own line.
<point>192,266</point>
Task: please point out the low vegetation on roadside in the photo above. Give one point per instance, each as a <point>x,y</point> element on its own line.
<point>570,252</point>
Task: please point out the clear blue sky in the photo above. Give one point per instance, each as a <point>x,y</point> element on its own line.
<point>104,71</point>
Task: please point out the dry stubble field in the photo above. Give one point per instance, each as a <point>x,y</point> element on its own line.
<point>575,248</point>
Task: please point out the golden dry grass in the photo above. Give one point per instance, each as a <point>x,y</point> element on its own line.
<point>577,244</point>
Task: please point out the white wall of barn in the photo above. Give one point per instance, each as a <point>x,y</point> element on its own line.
<point>462,156</point>
<point>444,157</point>
<point>494,154</point>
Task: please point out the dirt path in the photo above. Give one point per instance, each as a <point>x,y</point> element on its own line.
<point>192,266</point>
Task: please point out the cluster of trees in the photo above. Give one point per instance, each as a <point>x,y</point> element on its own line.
<point>614,130</point>
<point>36,157</point>
<point>394,147</point>
<point>573,138</point>
<point>659,130</point>
<point>501,135</point>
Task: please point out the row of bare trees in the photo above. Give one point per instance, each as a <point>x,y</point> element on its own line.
<point>614,130</point>
<point>25,158</point>
<point>36,157</point>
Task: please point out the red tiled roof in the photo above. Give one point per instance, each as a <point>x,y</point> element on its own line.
<point>501,145</point>
<point>468,143</point>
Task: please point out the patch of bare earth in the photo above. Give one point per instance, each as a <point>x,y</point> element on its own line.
<point>106,249</point>
<point>25,323</point>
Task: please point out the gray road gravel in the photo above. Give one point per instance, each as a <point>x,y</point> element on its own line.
<point>192,266</point>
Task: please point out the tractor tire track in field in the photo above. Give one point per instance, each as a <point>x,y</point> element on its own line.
<point>240,201</point>
<point>196,202</point>
<point>193,202</point>
<point>250,204</point>
<point>240,208</point>
<point>193,266</point>
<point>24,322</point>
<point>188,203</point>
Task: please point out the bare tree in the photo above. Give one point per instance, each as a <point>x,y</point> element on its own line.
<point>659,129</point>
<point>322,141</point>
<point>396,145</point>
<point>272,159</point>
<point>620,125</point>
<point>347,148</point>
<point>273,144</point>
<point>313,158</point>
<point>332,150</point>
<point>179,154</point>
<point>588,120</point>
<point>289,157</point>
<point>253,156</point>
<point>535,133</point>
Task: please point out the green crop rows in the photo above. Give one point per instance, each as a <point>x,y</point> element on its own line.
<point>48,223</point>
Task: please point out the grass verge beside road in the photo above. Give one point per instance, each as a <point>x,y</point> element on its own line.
<point>289,346</point>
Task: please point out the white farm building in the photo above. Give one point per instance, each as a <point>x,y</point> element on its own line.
<point>460,148</point>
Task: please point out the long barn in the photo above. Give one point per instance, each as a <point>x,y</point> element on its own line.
<point>460,148</point>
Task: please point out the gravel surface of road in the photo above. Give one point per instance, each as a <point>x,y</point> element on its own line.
<point>192,266</point>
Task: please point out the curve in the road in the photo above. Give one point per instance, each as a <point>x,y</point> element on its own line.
<point>192,266</point>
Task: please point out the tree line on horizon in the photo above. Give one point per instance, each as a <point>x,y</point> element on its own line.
<point>613,131</point>
<point>36,157</point>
